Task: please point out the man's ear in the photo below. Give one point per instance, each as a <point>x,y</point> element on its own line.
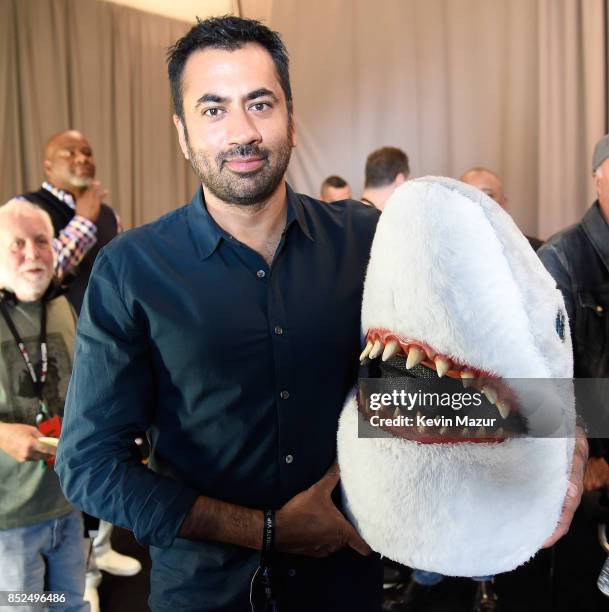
<point>400,178</point>
<point>596,178</point>
<point>47,166</point>
<point>181,135</point>
<point>293,132</point>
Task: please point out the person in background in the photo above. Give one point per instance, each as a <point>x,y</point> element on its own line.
<point>386,169</point>
<point>83,224</point>
<point>335,189</point>
<point>578,259</point>
<point>486,180</point>
<point>41,543</point>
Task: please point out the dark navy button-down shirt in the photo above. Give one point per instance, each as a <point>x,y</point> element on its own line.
<point>238,370</point>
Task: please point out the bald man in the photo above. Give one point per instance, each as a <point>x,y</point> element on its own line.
<point>486,180</point>
<point>82,225</point>
<point>73,199</point>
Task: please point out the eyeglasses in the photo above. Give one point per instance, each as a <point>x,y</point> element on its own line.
<point>262,598</point>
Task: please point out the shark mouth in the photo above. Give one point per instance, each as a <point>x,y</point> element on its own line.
<point>495,419</point>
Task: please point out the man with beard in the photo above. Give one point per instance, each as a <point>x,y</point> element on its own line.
<point>73,199</point>
<point>40,532</point>
<point>229,330</point>
<point>82,226</point>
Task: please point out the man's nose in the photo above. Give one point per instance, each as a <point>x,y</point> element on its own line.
<point>81,158</point>
<point>31,250</point>
<point>242,128</point>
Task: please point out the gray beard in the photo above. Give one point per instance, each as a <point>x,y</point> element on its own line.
<point>81,181</point>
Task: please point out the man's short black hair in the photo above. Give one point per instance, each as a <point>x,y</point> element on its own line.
<point>383,165</point>
<point>228,33</point>
<point>334,181</point>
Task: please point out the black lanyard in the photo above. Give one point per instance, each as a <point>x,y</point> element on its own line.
<point>38,379</point>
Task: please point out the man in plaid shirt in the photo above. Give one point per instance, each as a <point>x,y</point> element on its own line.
<point>74,200</point>
<point>83,224</point>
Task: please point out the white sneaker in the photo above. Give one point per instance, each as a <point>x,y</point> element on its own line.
<point>119,565</point>
<point>92,596</point>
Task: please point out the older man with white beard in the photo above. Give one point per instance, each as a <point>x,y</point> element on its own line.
<point>41,543</point>
<point>82,225</point>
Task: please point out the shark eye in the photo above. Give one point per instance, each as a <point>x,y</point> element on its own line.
<point>560,324</point>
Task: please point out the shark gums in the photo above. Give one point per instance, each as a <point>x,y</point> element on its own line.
<point>453,291</point>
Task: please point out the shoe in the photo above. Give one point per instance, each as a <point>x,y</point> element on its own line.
<point>91,595</point>
<point>486,599</point>
<point>116,564</point>
<point>409,597</point>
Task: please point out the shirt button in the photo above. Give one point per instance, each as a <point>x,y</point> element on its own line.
<point>284,394</point>
<point>289,458</point>
<point>261,274</point>
<point>291,572</point>
<point>278,330</point>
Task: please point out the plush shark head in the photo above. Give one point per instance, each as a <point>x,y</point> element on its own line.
<point>453,290</point>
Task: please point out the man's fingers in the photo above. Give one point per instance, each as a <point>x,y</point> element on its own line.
<point>572,500</point>
<point>46,450</point>
<point>330,478</point>
<point>356,542</point>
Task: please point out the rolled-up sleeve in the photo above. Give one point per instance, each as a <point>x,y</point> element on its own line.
<point>111,399</point>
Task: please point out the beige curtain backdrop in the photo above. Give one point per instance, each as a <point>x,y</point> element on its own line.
<point>99,68</point>
<point>514,85</point>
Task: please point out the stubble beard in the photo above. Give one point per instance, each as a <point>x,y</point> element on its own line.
<point>242,189</point>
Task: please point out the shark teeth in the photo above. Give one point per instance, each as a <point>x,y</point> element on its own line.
<point>377,349</point>
<point>415,356</point>
<point>504,408</point>
<point>467,378</point>
<point>366,351</point>
<point>491,394</point>
<point>442,366</point>
<point>392,348</point>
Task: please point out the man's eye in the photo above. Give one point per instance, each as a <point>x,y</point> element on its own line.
<point>260,106</point>
<point>212,112</point>
<point>42,240</point>
<point>17,244</point>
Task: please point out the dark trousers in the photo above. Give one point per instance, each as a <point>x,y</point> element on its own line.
<point>214,577</point>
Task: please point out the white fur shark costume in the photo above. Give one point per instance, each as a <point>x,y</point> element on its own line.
<point>450,269</point>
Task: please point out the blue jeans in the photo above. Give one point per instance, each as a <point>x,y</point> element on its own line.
<point>433,578</point>
<point>46,556</point>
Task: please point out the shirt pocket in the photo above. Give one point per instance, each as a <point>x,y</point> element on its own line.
<point>591,335</point>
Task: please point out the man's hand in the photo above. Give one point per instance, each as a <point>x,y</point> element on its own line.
<point>310,524</point>
<point>574,490</point>
<point>21,442</point>
<point>597,474</point>
<point>88,203</point>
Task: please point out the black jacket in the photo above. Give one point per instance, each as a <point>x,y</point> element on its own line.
<point>578,259</point>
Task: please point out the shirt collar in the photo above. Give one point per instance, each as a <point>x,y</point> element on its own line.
<point>207,234</point>
<point>597,230</point>
<point>64,196</point>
